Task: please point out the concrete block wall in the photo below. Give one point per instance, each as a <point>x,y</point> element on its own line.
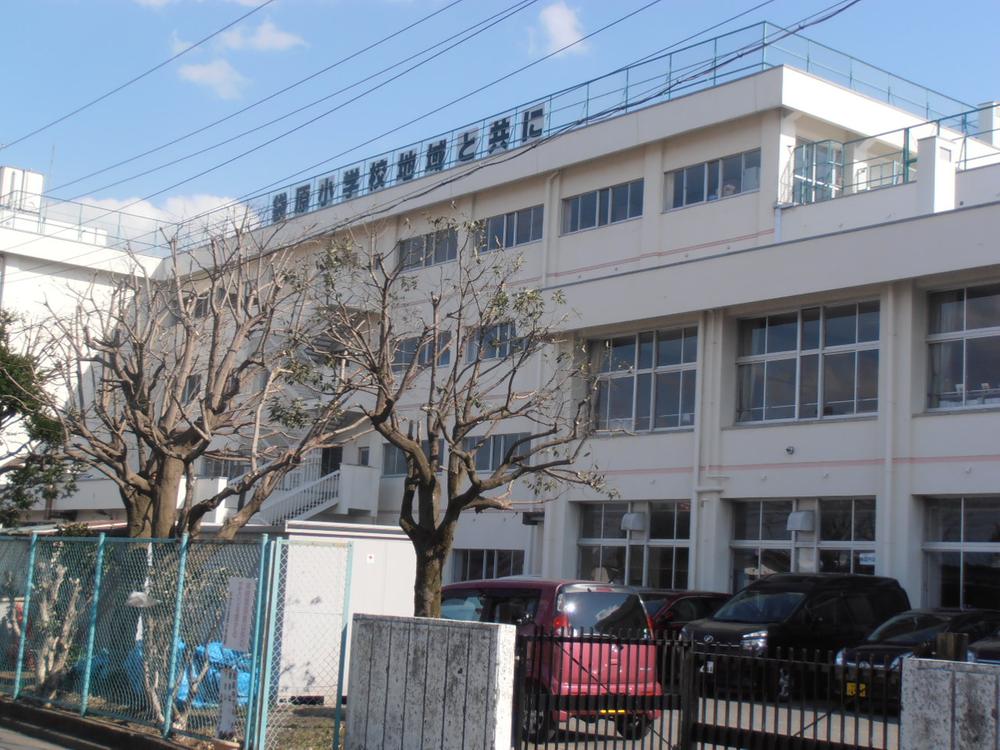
<point>950,706</point>
<point>420,683</point>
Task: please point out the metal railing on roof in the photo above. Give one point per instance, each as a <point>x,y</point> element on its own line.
<point>647,82</point>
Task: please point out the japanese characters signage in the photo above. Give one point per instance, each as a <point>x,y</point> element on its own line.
<point>488,138</point>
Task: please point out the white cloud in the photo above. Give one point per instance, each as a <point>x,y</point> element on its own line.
<point>149,226</point>
<point>177,45</point>
<point>561,26</point>
<point>265,38</point>
<point>218,75</point>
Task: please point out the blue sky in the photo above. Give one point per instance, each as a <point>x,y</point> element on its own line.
<point>62,53</point>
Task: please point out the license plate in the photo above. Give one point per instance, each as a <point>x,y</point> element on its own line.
<point>857,690</point>
<point>708,667</point>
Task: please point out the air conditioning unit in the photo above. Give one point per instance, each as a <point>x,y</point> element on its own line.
<point>634,522</point>
<point>802,520</point>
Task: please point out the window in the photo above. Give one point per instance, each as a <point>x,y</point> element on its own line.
<point>847,535</point>
<point>819,171</point>
<point>230,467</point>
<point>645,381</point>
<point>408,348</point>
<point>428,249</point>
<point>491,450</point>
<point>493,342</point>
<point>363,455</point>
<point>656,556</point>
<point>192,388</point>
<point>962,552</point>
<point>600,207</point>
<point>711,180</point>
<point>394,459</point>
<point>476,564</point>
<point>842,540</point>
<point>812,363</point>
<point>964,347</point>
<point>511,230</point>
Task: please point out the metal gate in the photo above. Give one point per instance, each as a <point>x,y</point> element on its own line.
<point>575,690</point>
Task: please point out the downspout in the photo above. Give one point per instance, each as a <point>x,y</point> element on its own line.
<point>696,487</point>
<point>777,222</point>
<point>3,276</point>
<point>553,222</point>
<point>889,414</point>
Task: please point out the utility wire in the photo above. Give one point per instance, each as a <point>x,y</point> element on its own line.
<point>811,20</point>
<point>471,32</point>
<point>257,103</point>
<point>135,79</point>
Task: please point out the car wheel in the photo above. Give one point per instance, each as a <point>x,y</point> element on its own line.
<point>633,726</point>
<point>536,717</point>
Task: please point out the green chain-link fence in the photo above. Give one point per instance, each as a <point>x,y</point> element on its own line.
<point>240,640</point>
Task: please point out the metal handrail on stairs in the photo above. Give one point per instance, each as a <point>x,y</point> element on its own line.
<point>303,500</point>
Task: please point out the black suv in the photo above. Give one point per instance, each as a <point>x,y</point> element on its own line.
<point>823,612</point>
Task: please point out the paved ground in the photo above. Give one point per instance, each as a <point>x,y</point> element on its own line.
<point>13,741</point>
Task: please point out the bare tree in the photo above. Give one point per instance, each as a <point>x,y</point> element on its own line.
<point>464,370</point>
<point>218,354</point>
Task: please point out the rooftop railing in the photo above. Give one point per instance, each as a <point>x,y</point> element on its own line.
<point>649,81</point>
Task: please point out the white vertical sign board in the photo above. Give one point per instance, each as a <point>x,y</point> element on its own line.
<point>227,702</point>
<point>239,614</point>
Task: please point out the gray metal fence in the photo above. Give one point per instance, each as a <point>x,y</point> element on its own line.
<point>240,640</point>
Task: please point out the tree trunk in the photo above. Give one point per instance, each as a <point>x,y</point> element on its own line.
<point>138,512</point>
<point>165,494</point>
<point>427,585</point>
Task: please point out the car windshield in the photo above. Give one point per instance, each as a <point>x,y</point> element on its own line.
<point>910,627</point>
<point>603,612</point>
<point>463,605</point>
<point>756,606</point>
<point>653,603</point>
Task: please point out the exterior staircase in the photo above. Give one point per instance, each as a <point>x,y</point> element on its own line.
<point>305,492</point>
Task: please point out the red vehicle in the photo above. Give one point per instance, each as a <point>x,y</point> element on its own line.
<point>672,609</point>
<point>585,641</point>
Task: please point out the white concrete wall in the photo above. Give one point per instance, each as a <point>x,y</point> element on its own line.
<point>420,683</point>
<point>950,706</point>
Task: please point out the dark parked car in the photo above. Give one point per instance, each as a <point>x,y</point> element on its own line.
<point>582,655</point>
<point>820,611</point>
<point>911,633</point>
<point>672,609</point>
<point>985,650</point>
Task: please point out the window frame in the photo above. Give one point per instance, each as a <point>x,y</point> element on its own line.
<point>490,448</point>
<point>638,541</point>
<point>407,249</point>
<point>963,335</point>
<point>503,345</point>
<point>461,560</point>
<point>390,449</point>
<point>670,190</point>
<point>930,547</point>
<point>603,198</point>
<point>685,368</point>
<point>511,225</point>
<point>821,351</point>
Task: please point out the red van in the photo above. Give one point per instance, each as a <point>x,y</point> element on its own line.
<point>584,641</point>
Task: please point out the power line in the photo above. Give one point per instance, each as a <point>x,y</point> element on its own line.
<point>135,79</point>
<point>265,99</point>
<point>472,32</point>
<point>811,20</point>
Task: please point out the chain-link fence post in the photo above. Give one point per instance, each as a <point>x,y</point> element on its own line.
<point>25,612</point>
<point>175,637</point>
<point>251,738</point>
<point>338,709</point>
<point>92,627</point>
<point>277,561</point>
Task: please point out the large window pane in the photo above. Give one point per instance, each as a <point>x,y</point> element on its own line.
<point>646,350</point>
<point>868,321</point>
<point>668,399</point>
<point>834,561</point>
<point>636,564</point>
<point>982,370</point>
<point>810,328</point>
<point>774,520</point>
<point>684,520</point>
<point>944,521</point>
<point>694,184</point>
<point>751,170</point>
<point>713,180</point>
<point>690,344</point>
<point>643,387</point>
<point>732,175</point>
<point>620,404</point>
<point>688,380</point>
<point>744,568</point>
<point>619,203</point>
<point>775,561</point>
<point>809,386</point>
<point>591,519</point>
<point>661,568</point>
<point>635,193</point>
<point>982,307</point>
<point>868,381</point>
<point>944,579</point>
<point>947,311</point>
<point>677,199</point>
<point>622,354</point>
<point>982,520</point>
<point>612,527</point>
<point>662,518</point>
<point>840,325</point>
<point>947,378</point>
<point>746,521</point>
<point>523,228</point>
<point>588,210</point>
<point>836,524</point>
<point>782,332</point>
<point>750,406</point>
<point>981,584</point>
<point>590,562</point>
<point>864,520</point>
<point>779,396</point>
<point>753,335</point>
<point>669,348</point>
<point>603,206</point>
<point>838,384</point>
<point>680,567</point>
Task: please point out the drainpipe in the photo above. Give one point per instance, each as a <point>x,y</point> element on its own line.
<point>777,222</point>
<point>888,412</point>
<point>553,222</point>
<point>3,276</point>
<point>699,415</point>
